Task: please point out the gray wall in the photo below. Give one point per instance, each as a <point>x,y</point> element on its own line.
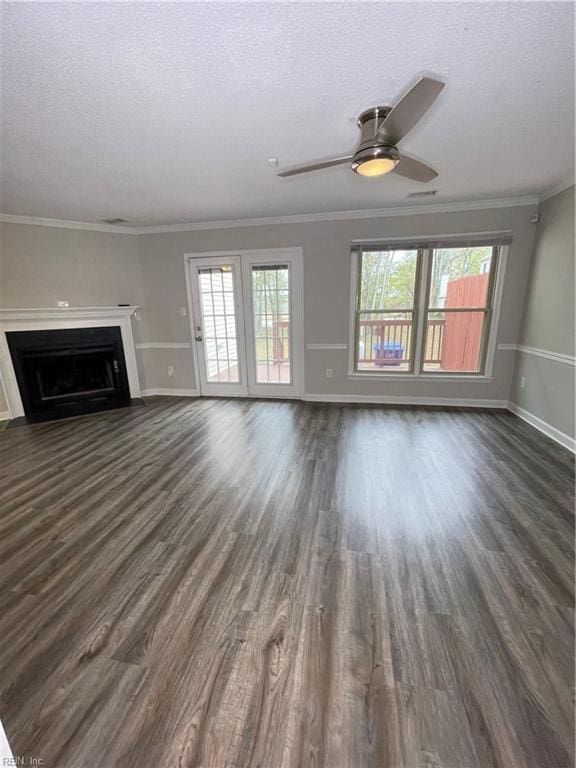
<point>326,247</point>
<point>548,323</point>
<point>41,265</point>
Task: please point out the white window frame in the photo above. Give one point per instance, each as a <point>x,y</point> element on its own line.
<point>417,374</point>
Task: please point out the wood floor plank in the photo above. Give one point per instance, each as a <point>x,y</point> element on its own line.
<point>244,584</point>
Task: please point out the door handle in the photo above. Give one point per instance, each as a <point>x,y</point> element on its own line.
<point>198,333</point>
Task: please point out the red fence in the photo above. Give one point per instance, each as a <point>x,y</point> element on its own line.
<point>463,330</point>
<point>281,340</point>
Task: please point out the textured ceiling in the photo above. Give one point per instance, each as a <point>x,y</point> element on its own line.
<point>161,113</point>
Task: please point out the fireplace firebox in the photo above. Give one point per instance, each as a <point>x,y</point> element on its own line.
<point>70,371</point>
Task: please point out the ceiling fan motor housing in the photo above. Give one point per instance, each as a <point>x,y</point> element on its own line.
<point>371,148</point>
<point>369,122</point>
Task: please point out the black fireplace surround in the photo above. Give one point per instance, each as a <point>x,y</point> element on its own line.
<point>68,372</point>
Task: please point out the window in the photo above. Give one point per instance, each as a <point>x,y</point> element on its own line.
<point>458,309</point>
<point>424,309</point>
<point>385,310</point>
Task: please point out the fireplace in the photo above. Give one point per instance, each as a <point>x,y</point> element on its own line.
<point>67,372</point>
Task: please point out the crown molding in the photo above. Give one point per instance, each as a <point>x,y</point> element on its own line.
<point>298,218</point>
<point>371,213</point>
<point>35,221</point>
<point>556,191</point>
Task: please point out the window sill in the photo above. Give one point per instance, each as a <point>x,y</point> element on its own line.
<point>470,377</point>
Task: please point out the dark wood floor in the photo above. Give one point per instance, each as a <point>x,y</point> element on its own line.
<point>244,584</point>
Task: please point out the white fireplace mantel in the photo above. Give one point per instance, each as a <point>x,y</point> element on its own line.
<point>57,318</point>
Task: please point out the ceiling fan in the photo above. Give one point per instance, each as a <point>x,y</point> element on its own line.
<point>381,128</point>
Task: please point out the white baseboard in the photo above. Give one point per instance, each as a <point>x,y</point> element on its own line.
<point>170,392</point>
<point>466,402</point>
<point>4,415</point>
<point>542,426</point>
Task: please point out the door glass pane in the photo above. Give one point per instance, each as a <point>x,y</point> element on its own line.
<point>453,341</point>
<point>388,280</point>
<point>460,277</point>
<point>384,341</point>
<point>271,301</point>
<point>219,323</point>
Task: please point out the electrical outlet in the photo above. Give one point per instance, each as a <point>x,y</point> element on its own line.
<point>183,312</point>
<point>328,373</point>
<point>170,371</point>
<point>522,382</point>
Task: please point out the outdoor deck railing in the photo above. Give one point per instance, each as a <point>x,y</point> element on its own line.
<point>393,332</point>
<point>373,332</point>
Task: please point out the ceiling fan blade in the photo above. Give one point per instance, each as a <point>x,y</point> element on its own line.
<point>409,110</point>
<point>414,169</point>
<point>315,165</point>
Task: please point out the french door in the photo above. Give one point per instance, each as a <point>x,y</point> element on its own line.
<point>246,322</point>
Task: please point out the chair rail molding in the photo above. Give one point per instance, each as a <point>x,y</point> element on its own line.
<point>326,346</point>
<point>164,345</point>
<point>557,357</point>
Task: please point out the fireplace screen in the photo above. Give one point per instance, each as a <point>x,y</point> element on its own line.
<point>70,371</point>
<point>60,374</point>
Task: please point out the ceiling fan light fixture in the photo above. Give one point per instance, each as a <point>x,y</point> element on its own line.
<point>375,161</point>
<point>376,167</point>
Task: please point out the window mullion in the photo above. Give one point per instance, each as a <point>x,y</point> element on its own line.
<point>421,304</point>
